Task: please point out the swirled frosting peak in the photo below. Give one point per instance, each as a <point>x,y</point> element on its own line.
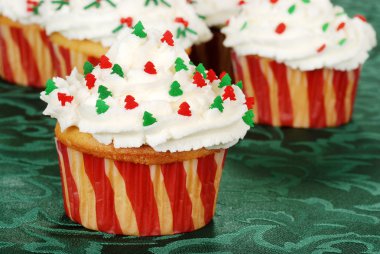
<point>145,91</point>
<point>307,35</point>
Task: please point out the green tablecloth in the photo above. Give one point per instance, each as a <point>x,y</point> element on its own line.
<point>283,190</point>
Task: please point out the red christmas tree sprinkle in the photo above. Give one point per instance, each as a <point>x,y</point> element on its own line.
<point>182,21</point>
<point>105,63</point>
<point>127,21</point>
<point>229,93</point>
<point>250,101</point>
<point>273,1</point>
<point>90,80</point>
<point>168,38</point>
<point>150,68</point>
<point>199,80</point>
<point>130,102</point>
<point>222,74</point>
<point>211,75</point>
<point>64,98</point>
<point>280,29</point>
<point>241,2</point>
<point>184,109</point>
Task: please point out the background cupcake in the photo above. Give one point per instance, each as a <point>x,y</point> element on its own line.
<point>216,14</point>
<point>140,163</point>
<point>24,46</point>
<point>302,60</point>
<point>81,30</point>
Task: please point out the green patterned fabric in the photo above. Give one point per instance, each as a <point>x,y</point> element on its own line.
<point>283,190</point>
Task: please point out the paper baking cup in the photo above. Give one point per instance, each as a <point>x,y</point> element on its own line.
<point>133,199</point>
<point>294,98</point>
<point>25,54</point>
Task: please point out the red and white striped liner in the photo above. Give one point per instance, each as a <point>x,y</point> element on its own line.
<point>294,98</point>
<point>134,199</point>
<point>29,58</point>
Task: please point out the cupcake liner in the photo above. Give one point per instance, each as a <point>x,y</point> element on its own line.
<point>25,54</point>
<point>293,98</point>
<point>133,199</point>
<point>213,54</point>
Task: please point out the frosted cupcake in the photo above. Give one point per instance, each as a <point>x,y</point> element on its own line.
<point>216,14</point>
<point>83,30</point>
<point>138,163</point>
<point>25,56</point>
<point>302,59</point>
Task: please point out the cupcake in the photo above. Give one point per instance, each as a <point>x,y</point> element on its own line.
<point>216,14</point>
<point>302,60</point>
<point>144,163</point>
<point>24,46</point>
<point>83,30</point>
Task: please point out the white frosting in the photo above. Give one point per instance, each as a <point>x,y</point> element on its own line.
<point>17,10</point>
<point>253,32</point>
<point>205,128</point>
<point>216,12</point>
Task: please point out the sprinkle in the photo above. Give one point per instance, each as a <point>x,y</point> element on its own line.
<point>280,29</point>
<point>325,27</point>
<point>211,75</point>
<point>306,1</point>
<point>273,1</point>
<point>321,48</point>
<point>200,68</point>
<point>138,30</point>
<point>103,92</point>
<point>105,63</point>
<point>180,65</point>
<point>96,4</point>
<point>222,74</point>
<point>292,9</point>
<point>342,42</point>
<point>175,89</point>
<point>147,2</point>
<point>226,81</point>
<point>148,119</point>
<point>50,87</point>
<point>218,104</point>
<point>168,38</point>
<point>341,26</point>
<point>244,26</point>
<point>60,3</point>
<point>361,17</point>
<point>128,21</point>
<point>229,93</point>
<point>150,68</point>
<point>250,101</point>
<point>90,80</point>
<point>130,102</point>
<point>101,107</point>
<point>116,69</point>
<point>248,118</point>
<point>239,84</point>
<point>64,98</point>
<point>184,109</point>
<point>199,80</point>
<point>182,21</point>
<point>87,68</point>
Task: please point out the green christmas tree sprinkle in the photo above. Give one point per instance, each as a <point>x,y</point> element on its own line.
<point>156,2</point>
<point>87,68</point>
<point>201,69</point>
<point>239,84</point>
<point>138,30</point>
<point>50,87</point>
<point>148,119</point>
<point>104,93</point>
<point>101,107</point>
<point>175,89</point>
<point>116,69</point>
<point>226,81</point>
<point>248,118</point>
<point>218,104</point>
<point>180,65</point>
